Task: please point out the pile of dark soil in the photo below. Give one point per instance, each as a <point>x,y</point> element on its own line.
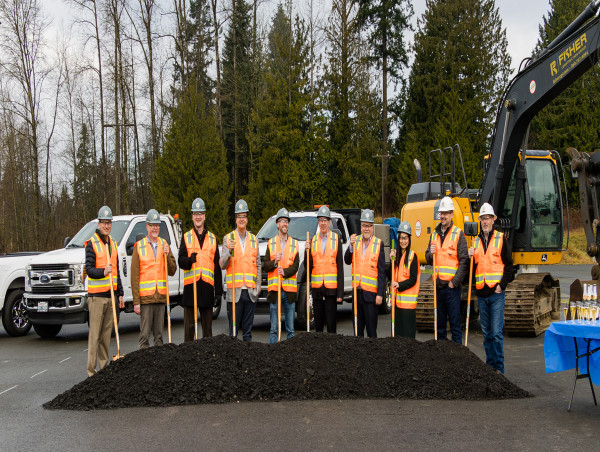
<point>309,366</point>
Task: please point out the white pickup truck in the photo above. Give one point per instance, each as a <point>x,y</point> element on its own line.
<point>344,221</point>
<point>12,285</point>
<point>56,283</point>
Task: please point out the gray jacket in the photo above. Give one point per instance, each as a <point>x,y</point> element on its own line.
<point>224,262</point>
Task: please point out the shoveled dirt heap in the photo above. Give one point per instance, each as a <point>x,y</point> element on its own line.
<point>309,366</point>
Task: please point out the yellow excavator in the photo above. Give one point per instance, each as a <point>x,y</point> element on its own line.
<point>523,186</point>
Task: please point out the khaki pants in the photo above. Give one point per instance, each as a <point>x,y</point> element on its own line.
<point>101,324</point>
<point>152,319</point>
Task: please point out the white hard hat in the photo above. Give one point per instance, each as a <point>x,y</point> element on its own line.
<point>446,205</point>
<point>487,209</point>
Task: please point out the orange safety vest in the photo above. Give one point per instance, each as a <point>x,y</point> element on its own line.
<point>289,255</point>
<point>101,285</point>
<point>153,274</point>
<point>324,269</point>
<point>490,267</point>
<point>446,254</point>
<point>408,298</point>
<point>205,258</point>
<point>365,267</point>
<point>245,263</point>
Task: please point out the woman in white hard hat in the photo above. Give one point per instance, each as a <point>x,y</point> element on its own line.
<point>407,283</point>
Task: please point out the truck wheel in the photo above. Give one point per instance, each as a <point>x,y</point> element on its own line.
<point>47,331</point>
<point>14,314</point>
<point>217,310</point>
<point>301,308</point>
<point>386,306</point>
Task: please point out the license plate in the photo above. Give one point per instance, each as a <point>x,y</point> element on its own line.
<point>43,306</point>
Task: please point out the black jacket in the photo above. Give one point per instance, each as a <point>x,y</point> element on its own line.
<point>322,291</point>
<point>207,295</point>
<point>269,265</point>
<point>97,273</point>
<point>369,297</point>
<point>462,254</point>
<point>507,276</point>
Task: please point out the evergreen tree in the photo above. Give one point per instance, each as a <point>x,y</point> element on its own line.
<point>85,198</point>
<point>280,136</point>
<point>193,164</point>
<point>460,70</point>
<point>237,95</point>
<point>573,118</point>
<point>385,21</point>
<point>353,119</point>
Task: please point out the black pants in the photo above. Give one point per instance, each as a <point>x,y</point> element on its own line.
<point>406,322</point>
<point>205,316</point>
<point>244,316</point>
<point>366,313</point>
<point>325,307</point>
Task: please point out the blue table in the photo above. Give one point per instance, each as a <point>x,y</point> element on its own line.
<point>565,346</point>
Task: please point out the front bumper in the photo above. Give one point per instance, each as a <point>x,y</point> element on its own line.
<point>67,308</point>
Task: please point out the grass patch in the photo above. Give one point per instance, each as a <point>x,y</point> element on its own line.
<point>576,253</point>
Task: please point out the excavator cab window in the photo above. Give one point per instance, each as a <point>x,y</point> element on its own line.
<point>546,206</point>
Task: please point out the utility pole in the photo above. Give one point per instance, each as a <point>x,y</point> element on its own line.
<point>384,160</point>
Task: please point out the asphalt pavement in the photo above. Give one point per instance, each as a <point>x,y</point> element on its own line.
<point>34,370</point>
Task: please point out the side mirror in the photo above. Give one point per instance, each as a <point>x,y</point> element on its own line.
<point>471,228</point>
<point>66,242</point>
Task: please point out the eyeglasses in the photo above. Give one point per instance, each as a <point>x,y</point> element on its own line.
<point>104,222</point>
<point>283,221</point>
<point>198,214</point>
<point>154,226</point>
<point>323,220</point>
<point>242,216</point>
<point>366,226</point>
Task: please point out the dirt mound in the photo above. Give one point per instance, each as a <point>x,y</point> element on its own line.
<point>309,366</point>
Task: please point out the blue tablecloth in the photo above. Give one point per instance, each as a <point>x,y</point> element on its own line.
<point>559,347</point>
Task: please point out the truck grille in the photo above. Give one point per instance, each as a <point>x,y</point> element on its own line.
<point>51,279</point>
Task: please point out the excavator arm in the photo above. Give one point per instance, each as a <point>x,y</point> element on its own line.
<point>565,60</point>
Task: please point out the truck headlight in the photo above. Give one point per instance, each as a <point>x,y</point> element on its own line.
<point>28,279</point>
<point>78,277</point>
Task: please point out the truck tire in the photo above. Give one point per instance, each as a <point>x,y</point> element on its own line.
<point>14,315</point>
<point>386,306</point>
<point>217,310</point>
<point>301,309</point>
<point>47,331</point>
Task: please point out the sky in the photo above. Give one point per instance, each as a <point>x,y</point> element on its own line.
<point>521,18</point>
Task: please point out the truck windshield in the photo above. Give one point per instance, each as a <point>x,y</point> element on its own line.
<point>118,229</point>
<point>299,226</point>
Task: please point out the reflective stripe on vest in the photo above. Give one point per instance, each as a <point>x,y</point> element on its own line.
<point>408,298</point>
<point>287,259</point>
<point>324,271</point>
<point>245,263</point>
<point>102,285</point>
<point>490,268</point>
<point>446,254</point>
<point>205,258</point>
<point>152,270</point>
<point>365,267</point>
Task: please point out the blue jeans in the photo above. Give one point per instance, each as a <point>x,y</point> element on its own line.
<point>448,309</point>
<point>491,317</point>
<point>244,316</point>
<point>288,310</point>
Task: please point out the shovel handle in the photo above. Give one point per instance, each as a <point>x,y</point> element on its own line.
<point>168,301</point>
<point>434,300</point>
<point>354,301</point>
<point>307,286</point>
<point>393,300</point>
<point>114,310</point>
<point>469,300</point>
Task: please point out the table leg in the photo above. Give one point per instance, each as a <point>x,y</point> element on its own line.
<point>588,375</point>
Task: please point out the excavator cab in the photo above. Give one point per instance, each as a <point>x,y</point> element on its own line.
<point>535,220</point>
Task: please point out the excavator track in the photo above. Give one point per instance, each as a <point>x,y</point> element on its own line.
<point>532,301</point>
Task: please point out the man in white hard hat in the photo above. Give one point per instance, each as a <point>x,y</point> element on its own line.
<point>449,245</point>
<point>149,282</point>
<point>493,271</point>
<point>367,253</point>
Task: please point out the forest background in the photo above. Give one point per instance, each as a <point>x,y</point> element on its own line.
<point>152,103</point>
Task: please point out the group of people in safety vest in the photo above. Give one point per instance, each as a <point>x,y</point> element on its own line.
<point>202,262</point>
